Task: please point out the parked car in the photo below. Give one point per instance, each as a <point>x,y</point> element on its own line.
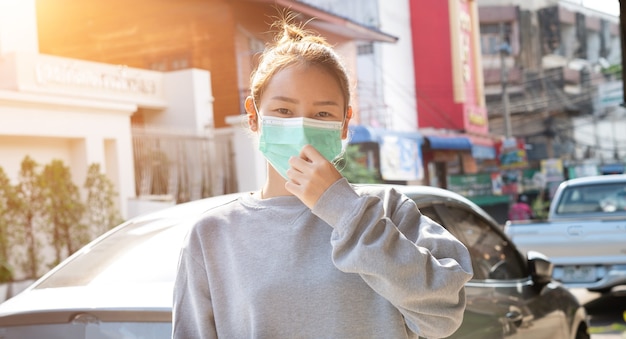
<point>120,285</point>
<point>584,235</point>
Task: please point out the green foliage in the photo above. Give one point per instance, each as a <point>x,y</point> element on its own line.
<point>45,210</point>
<point>28,212</point>
<point>62,209</point>
<point>101,213</point>
<point>354,169</point>
<point>7,201</point>
<point>613,70</point>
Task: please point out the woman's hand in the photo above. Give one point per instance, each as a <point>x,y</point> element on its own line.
<point>310,175</point>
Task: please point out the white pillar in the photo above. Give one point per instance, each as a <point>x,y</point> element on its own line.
<point>250,164</point>
<point>18,26</point>
<point>189,100</point>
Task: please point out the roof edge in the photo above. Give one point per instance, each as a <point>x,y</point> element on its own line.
<point>333,22</point>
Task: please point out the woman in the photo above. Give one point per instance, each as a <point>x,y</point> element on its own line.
<point>309,255</point>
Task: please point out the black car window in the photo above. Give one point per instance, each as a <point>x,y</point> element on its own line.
<point>493,257</point>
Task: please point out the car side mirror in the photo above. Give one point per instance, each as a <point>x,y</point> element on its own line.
<point>540,267</point>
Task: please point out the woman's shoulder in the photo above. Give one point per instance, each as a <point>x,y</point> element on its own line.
<point>380,190</point>
<point>218,212</point>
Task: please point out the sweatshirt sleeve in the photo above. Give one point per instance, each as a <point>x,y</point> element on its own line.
<point>423,277</point>
<point>192,313</point>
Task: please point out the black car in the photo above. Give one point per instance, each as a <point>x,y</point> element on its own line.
<point>120,285</point>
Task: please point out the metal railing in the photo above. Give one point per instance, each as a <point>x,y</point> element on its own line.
<point>184,167</point>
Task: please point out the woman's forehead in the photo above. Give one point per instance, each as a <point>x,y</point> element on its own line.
<point>306,82</point>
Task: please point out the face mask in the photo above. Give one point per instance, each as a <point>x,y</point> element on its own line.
<point>282,138</point>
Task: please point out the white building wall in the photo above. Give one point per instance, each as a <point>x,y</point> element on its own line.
<point>397,65</point>
<point>386,81</point>
<point>189,100</point>
<point>18,26</point>
<point>604,136</point>
<point>46,128</point>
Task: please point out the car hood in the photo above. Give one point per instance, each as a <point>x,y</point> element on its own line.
<point>109,299</point>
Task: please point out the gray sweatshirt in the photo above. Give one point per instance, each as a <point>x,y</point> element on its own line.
<point>363,263</point>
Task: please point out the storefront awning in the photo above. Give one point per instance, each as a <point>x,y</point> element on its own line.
<point>449,143</point>
<point>612,169</point>
<point>360,133</point>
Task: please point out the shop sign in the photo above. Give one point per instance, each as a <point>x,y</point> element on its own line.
<point>400,159</point>
<point>553,174</point>
<point>511,154</point>
<point>40,73</point>
<point>470,185</point>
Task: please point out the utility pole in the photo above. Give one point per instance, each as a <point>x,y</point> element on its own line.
<point>504,75</point>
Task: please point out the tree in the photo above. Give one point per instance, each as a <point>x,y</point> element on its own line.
<point>353,168</point>
<point>28,209</point>
<point>63,209</point>
<point>101,211</point>
<point>7,202</point>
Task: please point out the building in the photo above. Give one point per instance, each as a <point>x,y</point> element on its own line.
<point>550,84</point>
<point>151,90</point>
<point>152,67</point>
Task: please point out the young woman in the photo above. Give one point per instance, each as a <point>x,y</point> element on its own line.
<point>309,255</point>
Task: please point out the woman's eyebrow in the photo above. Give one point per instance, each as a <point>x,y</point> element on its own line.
<point>287,99</point>
<point>296,101</point>
<point>326,103</point>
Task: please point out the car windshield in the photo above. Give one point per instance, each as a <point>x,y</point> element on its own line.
<point>136,252</point>
<point>593,198</point>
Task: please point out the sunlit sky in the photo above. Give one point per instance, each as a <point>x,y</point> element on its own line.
<point>607,6</point>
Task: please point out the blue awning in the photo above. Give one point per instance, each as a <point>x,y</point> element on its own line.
<point>612,169</point>
<point>360,133</point>
<point>451,143</point>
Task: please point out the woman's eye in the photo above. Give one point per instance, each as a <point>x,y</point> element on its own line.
<point>283,111</point>
<point>324,114</point>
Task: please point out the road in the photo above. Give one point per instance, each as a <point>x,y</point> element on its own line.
<point>608,313</point>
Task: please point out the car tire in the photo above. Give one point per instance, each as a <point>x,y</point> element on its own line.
<point>582,333</point>
<point>601,290</point>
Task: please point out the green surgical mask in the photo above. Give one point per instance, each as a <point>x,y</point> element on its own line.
<point>282,138</point>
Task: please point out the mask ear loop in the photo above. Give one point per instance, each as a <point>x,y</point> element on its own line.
<point>340,161</point>
<point>256,110</point>
<point>258,115</point>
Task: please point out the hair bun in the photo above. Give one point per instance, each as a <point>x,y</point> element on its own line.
<point>289,32</point>
<point>292,33</point>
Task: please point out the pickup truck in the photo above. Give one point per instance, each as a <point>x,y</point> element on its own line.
<point>584,234</point>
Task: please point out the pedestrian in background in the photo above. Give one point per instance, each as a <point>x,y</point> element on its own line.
<point>309,255</point>
<point>521,209</point>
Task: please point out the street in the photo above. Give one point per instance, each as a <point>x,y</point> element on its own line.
<point>607,312</point>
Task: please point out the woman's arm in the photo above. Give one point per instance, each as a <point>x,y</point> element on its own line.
<point>423,277</point>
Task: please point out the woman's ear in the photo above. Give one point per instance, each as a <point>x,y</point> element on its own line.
<point>251,113</point>
<point>344,132</point>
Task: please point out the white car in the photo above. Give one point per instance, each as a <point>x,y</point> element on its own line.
<point>584,235</point>
<point>120,285</point>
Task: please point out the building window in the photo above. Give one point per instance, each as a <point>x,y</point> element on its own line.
<point>365,49</point>
<point>490,37</point>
